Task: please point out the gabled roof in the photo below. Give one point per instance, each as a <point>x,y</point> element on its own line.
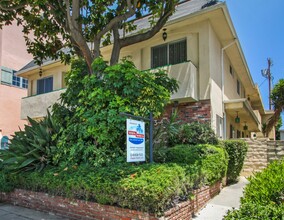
<point>183,9</point>
<point>33,64</point>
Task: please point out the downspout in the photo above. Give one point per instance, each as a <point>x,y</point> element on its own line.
<point>223,90</point>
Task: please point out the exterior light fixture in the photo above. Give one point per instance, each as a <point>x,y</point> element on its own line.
<point>245,126</point>
<point>237,119</point>
<point>165,35</point>
<point>40,72</point>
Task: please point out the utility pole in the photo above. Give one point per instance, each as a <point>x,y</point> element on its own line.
<point>267,74</point>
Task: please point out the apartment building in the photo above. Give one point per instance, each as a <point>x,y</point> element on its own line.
<point>13,55</point>
<point>199,47</point>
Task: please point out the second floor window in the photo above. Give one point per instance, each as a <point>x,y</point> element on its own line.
<point>169,54</point>
<point>16,81</point>
<point>238,87</point>
<point>44,85</point>
<point>25,83</point>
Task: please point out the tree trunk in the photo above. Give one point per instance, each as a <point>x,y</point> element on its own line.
<point>273,120</point>
<point>97,51</point>
<point>116,46</point>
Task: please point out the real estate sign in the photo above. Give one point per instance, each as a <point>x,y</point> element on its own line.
<point>135,140</point>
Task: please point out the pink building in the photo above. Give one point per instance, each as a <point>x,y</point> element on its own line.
<point>13,55</point>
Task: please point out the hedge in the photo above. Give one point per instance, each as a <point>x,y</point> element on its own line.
<point>148,187</point>
<point>205,163</point>
<point>263,196</point>
<point>237,150</point>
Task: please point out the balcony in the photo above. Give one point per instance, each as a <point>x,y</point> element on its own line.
<point>36,106</point>
<point>186,75</point>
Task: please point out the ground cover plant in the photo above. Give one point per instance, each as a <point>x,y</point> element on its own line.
<point>151,188</point>
<point>263,196</point>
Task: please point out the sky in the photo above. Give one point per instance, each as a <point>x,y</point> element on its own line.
<point>260,29</point>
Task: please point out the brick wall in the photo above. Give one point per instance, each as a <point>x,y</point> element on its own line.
<point>191,111</point>
<point>78,209</point>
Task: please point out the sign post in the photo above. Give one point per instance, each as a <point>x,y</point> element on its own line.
<point>136,148</point>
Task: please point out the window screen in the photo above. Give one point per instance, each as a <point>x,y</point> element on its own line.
<point>177,52</point>
<point>171,53</point>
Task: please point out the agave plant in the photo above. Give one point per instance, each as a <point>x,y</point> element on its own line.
<point>33,147</point>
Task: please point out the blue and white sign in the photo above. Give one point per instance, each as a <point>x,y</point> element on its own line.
<point>135,140</point>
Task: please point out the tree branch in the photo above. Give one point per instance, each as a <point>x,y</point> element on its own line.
<point>76,33</point>
<point>150,33</point>
<point>12,8</point>
<point>117,19</point>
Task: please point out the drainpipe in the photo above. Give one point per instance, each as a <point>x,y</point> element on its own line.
<point>223,93</point>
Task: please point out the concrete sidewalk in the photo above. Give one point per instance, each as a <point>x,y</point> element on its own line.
<point>11,212</point>
<point>228,198</point>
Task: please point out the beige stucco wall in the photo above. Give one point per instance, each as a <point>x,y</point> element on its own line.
<point>215,78</point>
<point>57,73</point>
<point>231,81</point>
<point>197,36</point>
<point>10,109</point>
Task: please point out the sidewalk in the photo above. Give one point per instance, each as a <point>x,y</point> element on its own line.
<point>228,198</point>
<point>11,212</point>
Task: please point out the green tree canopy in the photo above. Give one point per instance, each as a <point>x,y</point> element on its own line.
<point>50,25</point>
<point>277,98</point>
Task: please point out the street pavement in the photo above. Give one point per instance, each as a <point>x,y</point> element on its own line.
<point>228,199</point>
<point>11,212</point>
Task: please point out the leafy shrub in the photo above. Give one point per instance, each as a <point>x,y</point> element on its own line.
<point>6,185</point>
<point>194,133</point>
<point>32,148</point>
<point>205,163</point>
<point>148,187</point>
<point>164,130</point>
<point>237,150</point>
<point>263,196</point>
<point>93,129</point>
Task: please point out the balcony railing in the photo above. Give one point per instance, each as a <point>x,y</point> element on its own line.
<point>36,106</point>
<point>186,75</point>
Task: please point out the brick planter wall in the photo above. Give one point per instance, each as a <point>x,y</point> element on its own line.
<point>191,111</point>
<point>78,209</point>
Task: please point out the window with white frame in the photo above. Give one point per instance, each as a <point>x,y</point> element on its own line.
<point>25,83</point>
<point>169,54</point>
<point>16,81</point>
<point>44,85</point>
